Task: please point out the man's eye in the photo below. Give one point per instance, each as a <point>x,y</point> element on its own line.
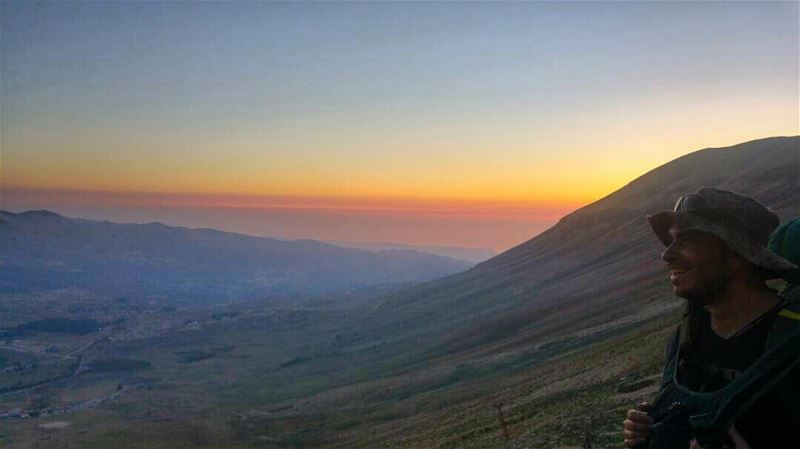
<point>679,242</point>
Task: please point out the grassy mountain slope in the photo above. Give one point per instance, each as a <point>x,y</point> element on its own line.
<point>580,311</point>
<point>598,266</point>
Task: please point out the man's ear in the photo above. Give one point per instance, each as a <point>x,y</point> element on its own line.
<point>737,263</point>
<point>740,266</point>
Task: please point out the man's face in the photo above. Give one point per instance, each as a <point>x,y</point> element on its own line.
<point>699,267</point>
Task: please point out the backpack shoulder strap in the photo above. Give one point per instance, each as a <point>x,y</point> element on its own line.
<point>791,314</point>
<point>690,324</point>
<point>787,319</point>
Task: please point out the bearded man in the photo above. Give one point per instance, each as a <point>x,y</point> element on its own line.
<point>732,377</point>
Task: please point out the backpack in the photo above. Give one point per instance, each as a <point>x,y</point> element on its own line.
<point>786,242</point>
<point>681,413</point>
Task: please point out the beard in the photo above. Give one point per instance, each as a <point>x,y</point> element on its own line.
<point>710,286</point>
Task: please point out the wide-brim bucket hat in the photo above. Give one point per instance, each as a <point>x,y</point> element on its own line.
<point>743,223</point>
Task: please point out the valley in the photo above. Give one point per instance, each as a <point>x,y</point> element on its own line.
<point>235,372</point>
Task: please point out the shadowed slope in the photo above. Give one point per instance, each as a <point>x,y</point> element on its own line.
<point>575,304</point>
<point>598,267</point>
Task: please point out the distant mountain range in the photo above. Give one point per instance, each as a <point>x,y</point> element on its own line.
<point>42,250</point>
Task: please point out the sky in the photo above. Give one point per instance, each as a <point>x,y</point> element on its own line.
<point>462,124</point>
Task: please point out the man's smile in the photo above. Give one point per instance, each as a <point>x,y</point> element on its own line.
<point>676,274</point>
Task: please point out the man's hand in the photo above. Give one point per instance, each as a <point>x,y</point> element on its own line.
<point>637,425</point>
<point>738,441</point>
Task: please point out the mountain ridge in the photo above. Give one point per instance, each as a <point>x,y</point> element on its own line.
<point>598,265</point>
<point>44,250</point>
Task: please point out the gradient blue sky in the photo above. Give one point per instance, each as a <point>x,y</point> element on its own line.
<point>544,105</point>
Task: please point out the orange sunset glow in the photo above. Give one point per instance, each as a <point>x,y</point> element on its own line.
<point>431,125</point>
